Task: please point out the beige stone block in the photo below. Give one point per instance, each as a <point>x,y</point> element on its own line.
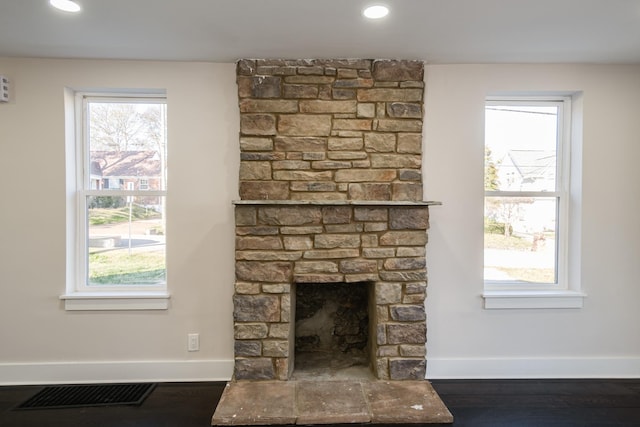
<point>403,276</point>
<point>413,299</point>
<point>249,331</point>
<point>366,110</point>
<point>336,214</point>
<point>309,79</point>
<point>328,106</point>
<point>291,164</point>
<point>403,238</point>
<point>380,142</point>
<point>304,124</point>
<point>388,351</point>
<point>318,196</point>
<point>297,242</point>
<point>407,218</point>
<point>245,215</point>
<point>395,160</point>
<point>410,143</point>
<point>389,95</point>
<point>256,231</point>
<point>365,175</point>
<point>313,267</point>
<point>331,164</point>
<point>370,213</point>
<point>285,308</point>
<point>276,288</point>
<point>346,155</point>
<point>258,242</point>
<point>290,215</point>
<point>318,278</point>
<point>406,191</point>
<point>367,191</point>
<point>375,226</point>
<point>331,241</point>
<point>331,253</point>
<point>301,230</point>
<point>398,70</point>
<point>264,190</point>
<point>294,175</point>
<point>275,348</point>
<point>300,91</point>
<point>247,288</point>
<point>356,266</point>
<point>361,277</point>
<point>352,124</point>
<point>314,156</point>
<point>413,350</point>
<point>263,271</point>
<point>302,144</point>
<point>399,125</point>
<point>268,106</point>
<point>388,293</point>
<point>345,144</point>
<point>257,124</point>
<point>405,110</point>
<point>256,144</point>
<point>255,171</point>
<point>411,251</point>
<point>344,228</point>
<point>369,240</point>
<point>279,330</point>
<point>378,252</point>
<point>267,256</point>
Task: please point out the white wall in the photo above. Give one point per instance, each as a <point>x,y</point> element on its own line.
<point>41,342</point>
<point>603,338</point>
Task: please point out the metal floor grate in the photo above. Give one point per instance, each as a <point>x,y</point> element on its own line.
<point>70,396</point>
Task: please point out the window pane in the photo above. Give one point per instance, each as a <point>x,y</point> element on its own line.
<point>126,146</point>
<point>520,148</point>
<point>126,240</point>
<point>520,239</point>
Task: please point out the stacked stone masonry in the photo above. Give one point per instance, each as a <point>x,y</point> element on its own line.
<point>278,247</point>
<point>330,132</point>
<point>330,129</point>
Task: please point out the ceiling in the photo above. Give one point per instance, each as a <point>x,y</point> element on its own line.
<point>437,31</point>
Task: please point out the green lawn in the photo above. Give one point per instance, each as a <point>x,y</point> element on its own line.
<point>120,268</point>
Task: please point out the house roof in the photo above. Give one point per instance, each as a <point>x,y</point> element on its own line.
<point>125,164</point>
<point>533,165</point>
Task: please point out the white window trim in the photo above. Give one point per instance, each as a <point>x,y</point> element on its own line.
<point>77,295</point>
<point>567,293</point>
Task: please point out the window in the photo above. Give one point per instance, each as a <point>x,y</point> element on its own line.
<point>526,204</point>
<point>118,238</point>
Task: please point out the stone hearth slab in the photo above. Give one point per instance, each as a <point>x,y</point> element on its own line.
<point>256,403</point>
<point>330,402</point>
<point>405,402</point>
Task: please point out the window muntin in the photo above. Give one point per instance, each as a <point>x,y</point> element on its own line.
<point>121,227</point>
<point>526,182</point>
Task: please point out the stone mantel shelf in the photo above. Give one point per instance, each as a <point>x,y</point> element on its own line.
<point>335,203</point>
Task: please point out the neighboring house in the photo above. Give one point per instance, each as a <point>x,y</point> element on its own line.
<point>126,170</point>
<point>528,170</point>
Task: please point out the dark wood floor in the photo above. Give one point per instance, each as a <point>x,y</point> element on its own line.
<point>494,403</point>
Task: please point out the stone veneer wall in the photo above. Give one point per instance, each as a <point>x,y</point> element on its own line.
<point>342,134</point>
<point>277,246</point>
<point>330,129</point>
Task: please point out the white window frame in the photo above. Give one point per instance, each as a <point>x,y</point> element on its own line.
<point>79,295</point>
<point>566,292</point>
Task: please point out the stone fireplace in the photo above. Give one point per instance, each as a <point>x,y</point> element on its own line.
<point>331,189</point>
<point>331,231</point>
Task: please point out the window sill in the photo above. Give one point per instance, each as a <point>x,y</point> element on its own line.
<point>116,301</point>
<point>532,299</point>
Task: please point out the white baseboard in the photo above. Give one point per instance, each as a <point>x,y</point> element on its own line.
<point>114,372</point>
<point>566,367</point>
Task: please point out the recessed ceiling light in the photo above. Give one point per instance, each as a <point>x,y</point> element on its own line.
<point>376,11</point>
<point>65,5</point>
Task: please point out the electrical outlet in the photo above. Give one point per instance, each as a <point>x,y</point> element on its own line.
<point>193,342</point>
